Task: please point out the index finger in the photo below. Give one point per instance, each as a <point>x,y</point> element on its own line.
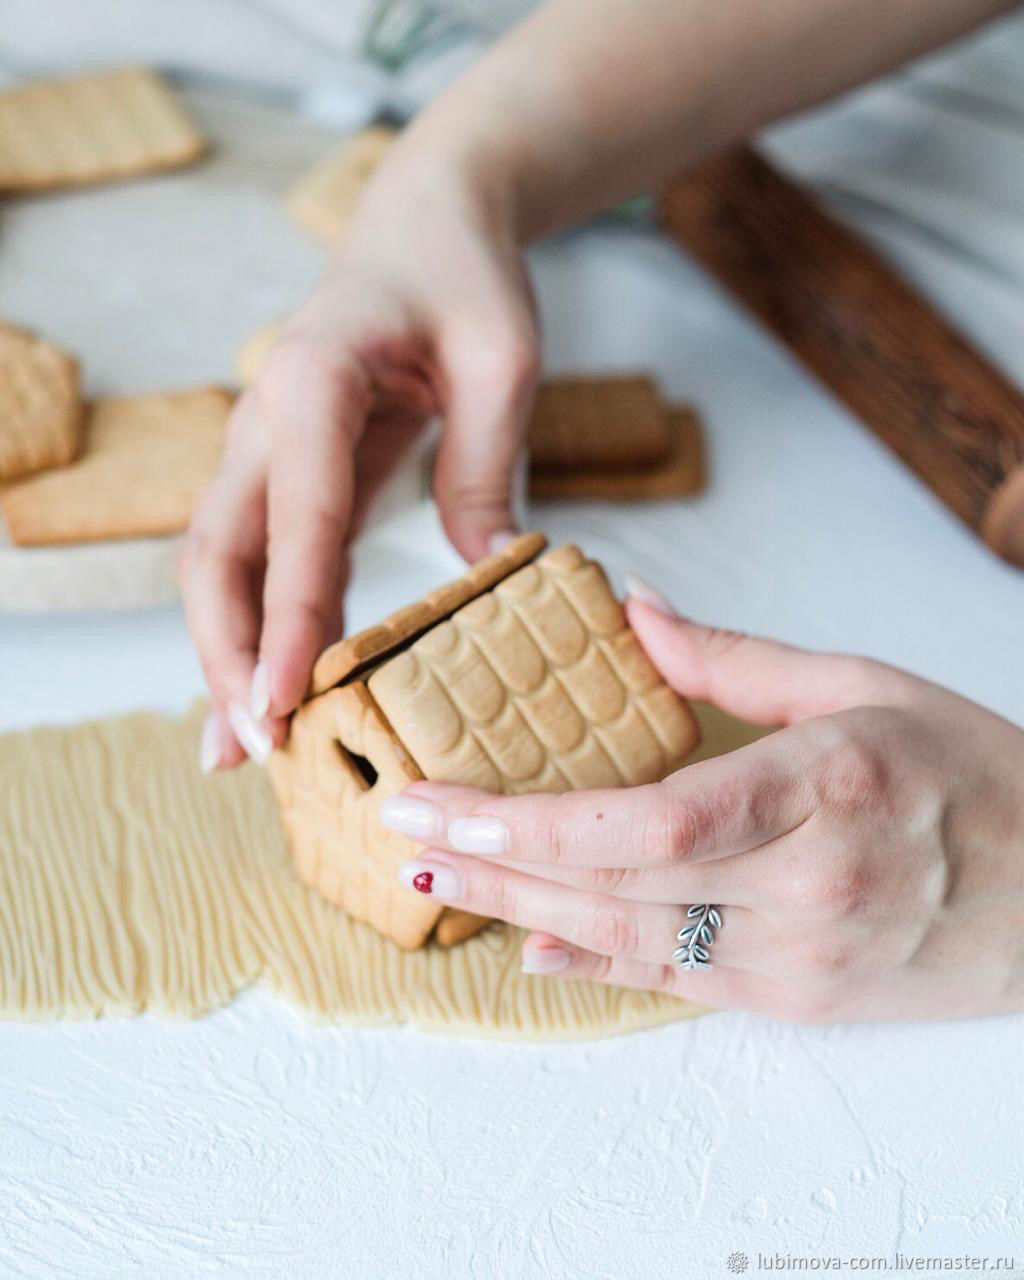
<point>316,412</point>
<point>709,810</point>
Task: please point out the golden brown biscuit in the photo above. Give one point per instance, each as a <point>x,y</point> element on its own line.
<point>92,128</point>
<point>597,423</point>
<point>329,793</point>
<point>322,201</point>
<point>682,474</point>
<point>537,685</point>
<point>40,404</point>
<point>145,461</point>
<point>350,656</point>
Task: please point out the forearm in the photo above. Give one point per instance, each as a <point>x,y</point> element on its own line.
<point>589,101</point>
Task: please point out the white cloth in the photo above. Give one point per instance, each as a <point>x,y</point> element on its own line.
<point>250,1145</point>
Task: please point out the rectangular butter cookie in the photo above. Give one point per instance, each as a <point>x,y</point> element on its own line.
<point>92,128</point>
<point>145,462</point>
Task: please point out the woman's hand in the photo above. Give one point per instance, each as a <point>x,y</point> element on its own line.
<point>426,310</point>
<point>867,858</point>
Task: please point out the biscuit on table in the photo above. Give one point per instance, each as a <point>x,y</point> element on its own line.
<point>520,677</point>
<point>323,200</point>
<point>680,475</point>
<point>145,462</point>
<point>597,422</point>
<point>40,404</point>
<point>92,128</point>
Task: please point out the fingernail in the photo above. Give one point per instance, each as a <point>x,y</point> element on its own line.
<point>499,541</point>
<point>478,835</point>
<point>411,817</point>
<point>433,878</point>
<point>209,745</point>
<point>253,739</point>
<point>545,960</point>
<point>259,692</point>
<point>641,590</point>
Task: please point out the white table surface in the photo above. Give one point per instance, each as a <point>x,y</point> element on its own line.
<point>248,1144</point>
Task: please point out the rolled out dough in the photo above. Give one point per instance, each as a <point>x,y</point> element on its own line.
<point>129,882</point>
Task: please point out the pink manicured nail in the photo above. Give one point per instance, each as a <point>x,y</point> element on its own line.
<point>254,740</point>
<point>259,692</point>
<point>499,541</point>
<point>478,835</point>
<point>209,745</point>
<point>411,817</point>
<point>545,960</point>
<point>646,594</point>
<point>433,878</point>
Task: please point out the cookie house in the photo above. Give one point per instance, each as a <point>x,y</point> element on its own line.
<point>521,676</point>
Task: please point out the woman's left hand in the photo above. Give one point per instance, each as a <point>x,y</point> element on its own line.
<point>867,859</point>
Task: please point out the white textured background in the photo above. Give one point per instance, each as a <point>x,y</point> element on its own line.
<point>248,1144</point>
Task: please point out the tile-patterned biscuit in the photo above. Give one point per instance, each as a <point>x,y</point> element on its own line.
<point>145,461</point>
<point>323,201</point>
<point>597,422</point>
<point>539,685</point>
<point>40,404</point>
<point>92,128</point>
<point>355,652</point>
<point>682,474</point>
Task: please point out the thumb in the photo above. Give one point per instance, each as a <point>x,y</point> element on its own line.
<point>490,389</point>
<point>761,681</point>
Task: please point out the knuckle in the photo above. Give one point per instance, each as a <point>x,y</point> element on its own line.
<point>673,831</point>
<point>864,677</point>
<point>480,496</point>
<point>607,879</point>
<point>556,830</point>
<point>295,364</point>
<point>852,775</point>
<point>836,890</point>
<point>723,641</point>
<point>287,364</point>
<point>609,930</point>
<point>665,979</point>
<point>502,362</point>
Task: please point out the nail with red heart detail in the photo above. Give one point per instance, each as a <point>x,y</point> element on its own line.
<point>434,878</point>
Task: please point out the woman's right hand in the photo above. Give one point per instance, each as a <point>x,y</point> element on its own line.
<point>426,309</point>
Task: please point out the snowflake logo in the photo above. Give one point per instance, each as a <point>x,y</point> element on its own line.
<point>737,1262</point>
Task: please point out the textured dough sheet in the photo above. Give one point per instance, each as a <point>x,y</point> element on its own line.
<point>681,475</point>
<point>322,201</point>
<point>145,462</point>
<point>40,404</point>
<point>130,882</point>
<point>92,128</point>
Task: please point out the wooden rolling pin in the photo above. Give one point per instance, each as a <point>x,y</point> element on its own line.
<point>951,416</point>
